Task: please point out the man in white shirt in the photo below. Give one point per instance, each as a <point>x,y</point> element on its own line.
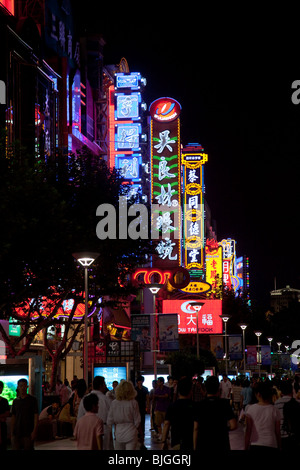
<point>100,389</point>
<point>225,388</point>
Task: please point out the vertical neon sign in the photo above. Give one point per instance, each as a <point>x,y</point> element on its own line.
<point>193,159</point>
<point>165,181</point>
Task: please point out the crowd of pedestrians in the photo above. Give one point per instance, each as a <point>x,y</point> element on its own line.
<point>185,415</point>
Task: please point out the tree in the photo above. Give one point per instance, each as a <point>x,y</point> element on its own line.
<point>48,212</point>
<point>187,364</point>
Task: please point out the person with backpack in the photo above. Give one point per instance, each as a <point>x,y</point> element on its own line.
<point>290,416</point>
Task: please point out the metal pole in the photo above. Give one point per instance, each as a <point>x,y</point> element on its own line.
<point>244,351</point>
<point>85,350</point>
<point>226,359</point>
<point>259,356</point>
<point>197,335</point>
<point>155,340</point>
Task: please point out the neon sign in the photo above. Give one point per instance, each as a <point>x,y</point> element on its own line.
<point>45,307</point>
<point>165,183</point>
<point>214,264</point>
<point>165,109</point>
<point>209,321</point>
<point>160,276</point>
<point>193,159</point>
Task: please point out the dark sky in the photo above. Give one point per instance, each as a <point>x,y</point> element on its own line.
<point>233,81</point>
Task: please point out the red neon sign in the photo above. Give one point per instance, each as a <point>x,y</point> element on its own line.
<point>209,321</point>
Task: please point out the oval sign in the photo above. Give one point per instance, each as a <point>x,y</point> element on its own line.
<point>165,109</point>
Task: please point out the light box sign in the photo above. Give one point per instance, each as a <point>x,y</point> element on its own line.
<point>209,321</point>
<point>131,81</point>
<point>165,182</point>
<point>192,160</point>
<point>128,136</point>
<point>214,264</point>
<point>129,166</point>
<point>128,106</point>
<point>111,373</point>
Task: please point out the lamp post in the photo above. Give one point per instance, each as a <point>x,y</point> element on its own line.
<point>270,339</point>
<point>225,319</point>
<point>86,259</point>
<point>197,306</point>
<point>154,289</point>
<point>243,326</point>
<point>258,354</point>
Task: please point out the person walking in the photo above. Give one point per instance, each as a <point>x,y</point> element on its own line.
<point>152,407</point>
<point>180,419</point>
<point>100,389</point>
<point>225,388</point>
<point>89,428</point>
<point>162,401</point>
<point>142,398</point>
<point>289,410</point>
<point>4,414</point>
<point>262,432</point>
<point>213,419</point>
<point>124,415</point>
<point>24,418</point>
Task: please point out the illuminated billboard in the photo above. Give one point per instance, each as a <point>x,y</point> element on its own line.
<point>209,321</point>
<point>165,182</point>
<point>9,5</point>
<point>214,264</point>
<point>230,280</point>
<point>192,160</point>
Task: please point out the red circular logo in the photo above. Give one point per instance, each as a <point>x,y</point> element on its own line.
<point>165,109</point>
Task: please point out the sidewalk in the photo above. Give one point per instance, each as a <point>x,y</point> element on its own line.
<point>236,440</point>
<point>69,444</point>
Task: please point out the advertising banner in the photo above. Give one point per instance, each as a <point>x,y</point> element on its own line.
<point>168,332</point>
<point>140,331</point>
<point>252,355</point>
<point>235,349</point>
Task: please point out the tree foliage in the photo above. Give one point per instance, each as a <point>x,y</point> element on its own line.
<point>48,212</point>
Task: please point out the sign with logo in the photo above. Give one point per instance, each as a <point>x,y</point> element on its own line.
<point>165,110</point>
<point>209,321</point>
<point>165,182</point>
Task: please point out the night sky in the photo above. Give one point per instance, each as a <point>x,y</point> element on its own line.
<point>234,83</point>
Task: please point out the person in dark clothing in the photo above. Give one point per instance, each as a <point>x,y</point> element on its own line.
<point>180,419</point>
<point>142,398</point>
<point>24,419</point>
<point>4,414</point>
<point>214,418</point>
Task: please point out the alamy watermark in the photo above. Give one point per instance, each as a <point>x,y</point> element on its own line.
<point>136,222</point>
<point>163,223</point>
<point>296,94</point>
<point>2,92</point>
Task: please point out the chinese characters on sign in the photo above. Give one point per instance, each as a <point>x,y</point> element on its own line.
<point>214,264</point>
<point>209,321</point>
<point>165,181</point>
<point>193,160</point>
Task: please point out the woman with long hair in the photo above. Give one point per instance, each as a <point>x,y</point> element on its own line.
<point>124,415</point>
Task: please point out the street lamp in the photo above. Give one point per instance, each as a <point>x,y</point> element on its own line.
<point>258,354</point>
<point>154,289</point>
<point>197,306</point>
<point>225,319</point>
<point>244,326</point>
<point>270,339</point>
<point>86,259</point>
